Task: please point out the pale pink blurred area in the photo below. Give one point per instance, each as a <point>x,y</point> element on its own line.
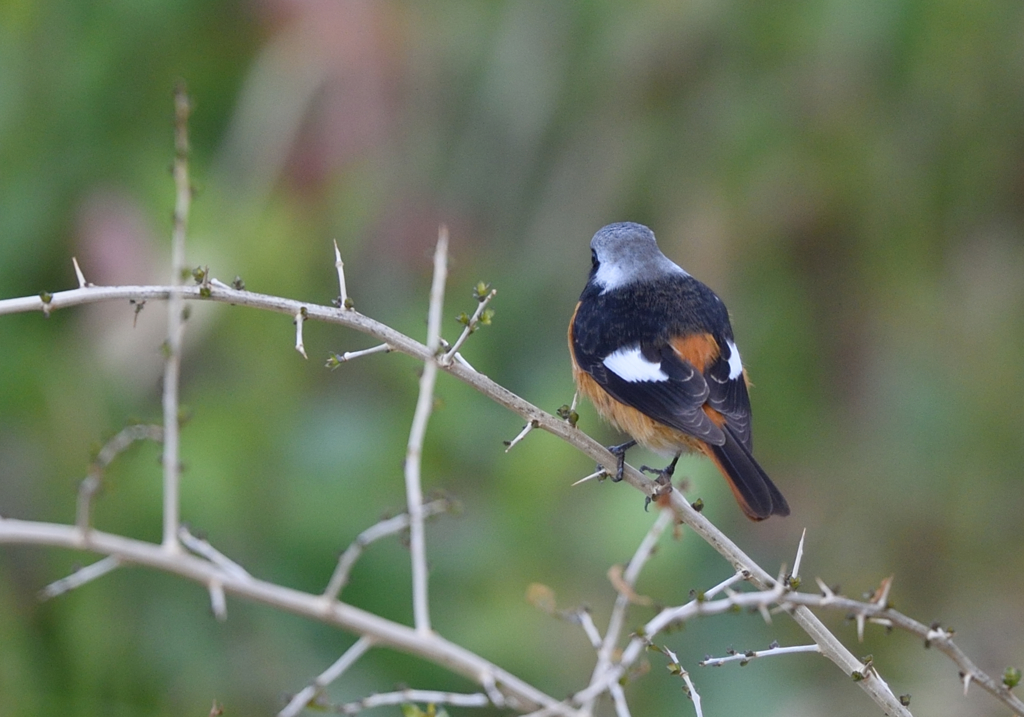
<point>320,94</point>
<point>114,241</point>
<point>116,245</point>
<point>337,98</point>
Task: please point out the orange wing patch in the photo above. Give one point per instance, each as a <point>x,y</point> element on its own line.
<point>699,350</point>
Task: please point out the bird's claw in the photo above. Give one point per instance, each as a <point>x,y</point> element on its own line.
<point>619,452</point>
<point>663,480</point>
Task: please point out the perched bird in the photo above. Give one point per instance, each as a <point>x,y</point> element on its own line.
<point>653,350</point>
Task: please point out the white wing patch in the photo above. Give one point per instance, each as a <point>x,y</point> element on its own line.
<point>630,365</point>
<point>735,364</point>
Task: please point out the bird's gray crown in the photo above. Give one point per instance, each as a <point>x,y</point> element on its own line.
<point>626,253</point>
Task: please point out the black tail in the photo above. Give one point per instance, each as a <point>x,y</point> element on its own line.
<point>754,490</point>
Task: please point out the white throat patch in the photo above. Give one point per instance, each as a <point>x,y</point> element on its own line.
<point>609,276</point>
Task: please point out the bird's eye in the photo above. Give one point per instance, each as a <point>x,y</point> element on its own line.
<point>593,257</point>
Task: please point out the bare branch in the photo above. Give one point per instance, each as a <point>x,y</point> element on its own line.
<point>428,645</point>
<point>314,690</point>
<point>676,668</point>
<point>470,327</point>
<point>384,528</point>
<point>203,549</point>
<point>618,616</point>
<point>111,449</point>
<point>745,657</point>
<point>432,697</point>
<point>414,451</point>
<point>618,699</point>
<point>338,359</point>
<point>80,577</point>
<point>522,434</point>
<point>175,322</point>
<point>830,646</point>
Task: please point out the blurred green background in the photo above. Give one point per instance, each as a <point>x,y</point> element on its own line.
<point>847,176</point>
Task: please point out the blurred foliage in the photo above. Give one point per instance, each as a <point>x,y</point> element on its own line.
<point>848,176</point>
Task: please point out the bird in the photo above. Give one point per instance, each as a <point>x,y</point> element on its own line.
<point>653,350</point>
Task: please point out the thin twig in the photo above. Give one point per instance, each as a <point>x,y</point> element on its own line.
<point>724,585</point>
<point>429,645</point>
<point>313,690</point>
<point>431,697</point>
<point>586,621</point>
<point>677,669</point>
<point>522,434</point>
<point>349,355</point>
<point>391,526</point>
<point>470,327</point>
<point>175,321</point>
<point>80,577</point>
<point>202,548</point>
<point>618,616</point>
<point>414,451</point>
<point>745,657</point>
<point>618,699</point>
<point>111,449</point>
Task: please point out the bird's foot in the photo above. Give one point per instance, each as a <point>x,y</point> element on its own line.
<point>619,452</point>
<point>663,480</point>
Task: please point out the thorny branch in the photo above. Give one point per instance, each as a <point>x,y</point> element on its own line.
<point>222,576</point>
<point>218,292</point>
<point>175,320</point>
<point>414,451</point>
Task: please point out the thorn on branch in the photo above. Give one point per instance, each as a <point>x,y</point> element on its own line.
<point>336,360</point>
<point>218,603</point>
<point>522,434</point>
<point>80,577</point>
<point>300,319</point>
<point>343,301</point>
<point>82,283</point>
<point>599,474</point>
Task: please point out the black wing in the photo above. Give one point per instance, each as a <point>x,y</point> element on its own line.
<point>729,397</point>
<point>676,401</point>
